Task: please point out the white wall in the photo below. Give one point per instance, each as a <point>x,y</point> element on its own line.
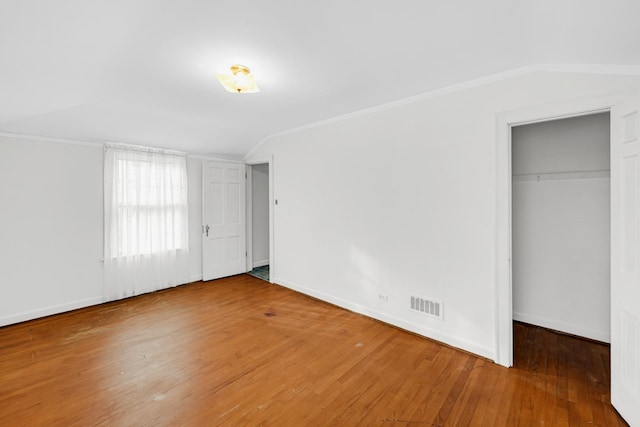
<point>194,179</point>
<point>402,200</point>
<point>561,225</point>
<point>51,226</point>
<point>260,214</point>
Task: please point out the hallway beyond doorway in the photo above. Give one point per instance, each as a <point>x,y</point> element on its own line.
<point>260,272</point>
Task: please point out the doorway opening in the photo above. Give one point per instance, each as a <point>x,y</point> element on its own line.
<point>505,122</point>
<point>624,110</point>
<point>561,224</point>
<point>259,221</point>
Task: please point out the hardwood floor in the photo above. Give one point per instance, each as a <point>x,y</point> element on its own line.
<point>240,351</point>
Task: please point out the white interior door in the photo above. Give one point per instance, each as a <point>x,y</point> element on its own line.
<point>625,259</point>
<point>224,223</point>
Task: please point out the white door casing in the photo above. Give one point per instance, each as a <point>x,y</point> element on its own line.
<point>272,203</point>
<point>625,258</point>
<point>249,217</point>
<point>224,220</point>
<point>625,237</point>
<point>503,316</point>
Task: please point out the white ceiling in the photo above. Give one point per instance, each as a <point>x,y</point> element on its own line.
<point>143,72</point>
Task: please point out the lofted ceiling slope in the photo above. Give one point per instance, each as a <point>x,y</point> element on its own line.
<point>143,71</point>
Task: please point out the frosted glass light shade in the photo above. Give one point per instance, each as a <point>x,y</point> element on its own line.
<point>240,81</point>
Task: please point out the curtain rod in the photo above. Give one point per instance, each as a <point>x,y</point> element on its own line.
<point>143,148</point>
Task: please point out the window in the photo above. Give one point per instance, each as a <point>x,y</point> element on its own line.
<point>150,207</point>
<point>146,219</point>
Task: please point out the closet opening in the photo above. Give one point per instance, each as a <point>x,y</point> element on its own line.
<point>561,271</point>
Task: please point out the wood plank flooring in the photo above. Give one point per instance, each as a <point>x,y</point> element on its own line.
<point>240,351</point>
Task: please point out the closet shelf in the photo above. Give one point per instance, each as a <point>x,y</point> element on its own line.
<point>560,176</point>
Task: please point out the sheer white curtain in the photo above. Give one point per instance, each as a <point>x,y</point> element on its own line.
<point>146,245</point>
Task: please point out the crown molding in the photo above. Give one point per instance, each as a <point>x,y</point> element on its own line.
<point>103,144</point>
<point>620,70</point>
<point>50,139</point>
<point>213,158</point>
<point>627,70</point>
<point>143,148</point>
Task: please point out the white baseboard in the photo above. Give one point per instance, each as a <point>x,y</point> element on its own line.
<point>430,333</point>
<point>74,305</point>
<point>195,278</point>
<point>260,263</point>
<point>48,311</point>
<point>594,334</point>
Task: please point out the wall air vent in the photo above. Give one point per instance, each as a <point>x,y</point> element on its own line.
<point>431,307</point>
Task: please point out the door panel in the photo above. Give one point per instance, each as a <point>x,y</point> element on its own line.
<point>223,237</point>
<point>625,257</point>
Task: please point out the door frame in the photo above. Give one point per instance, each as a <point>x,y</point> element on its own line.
<point>503,314</point>
<point>249,214</point>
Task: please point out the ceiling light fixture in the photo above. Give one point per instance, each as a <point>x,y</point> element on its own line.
<point>242,81</point>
